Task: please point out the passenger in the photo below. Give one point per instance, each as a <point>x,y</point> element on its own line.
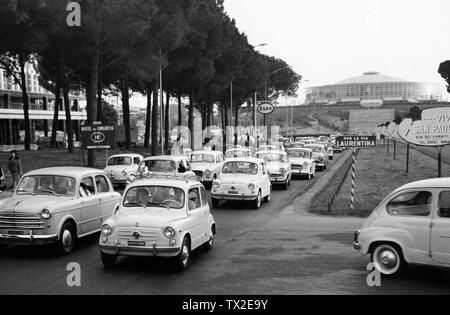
<point>142,197</point>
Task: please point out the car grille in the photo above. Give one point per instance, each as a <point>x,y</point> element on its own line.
<point>238,187</point>
<point>148,235</point>
<point>18,221</point>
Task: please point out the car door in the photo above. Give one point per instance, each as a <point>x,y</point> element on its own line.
<point>91,211</point>
<point>107,197</point>
<point>197,217</point>
<point>440,229</point>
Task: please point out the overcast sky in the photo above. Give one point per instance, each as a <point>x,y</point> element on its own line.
<point>327,41</point>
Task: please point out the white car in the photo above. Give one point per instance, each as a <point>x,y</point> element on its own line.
<point>320,155</point>
<point>120,166</point>
<point>278,166</point>
<point>410,226</point>
<point>164,165</point>
<point>329,148</point>
<point>237,153</point>
<point>302,162</point>
<point>57,206</point>
<point>159,217</point>
<point>242,179</point>
<point>267,148</point>
<point>206,165</point>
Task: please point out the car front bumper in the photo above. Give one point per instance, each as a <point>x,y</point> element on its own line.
<point>153,251</point>
<point>278,180</point>
<point>242,197</point>
<point>28,239</point>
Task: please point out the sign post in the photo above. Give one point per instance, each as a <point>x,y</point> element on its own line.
<point>98,137</point>
<point>265,109</point>
<point>355,142</point>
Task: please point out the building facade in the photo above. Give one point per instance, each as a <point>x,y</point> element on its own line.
<point>42,105</point>
<point>373,89</point>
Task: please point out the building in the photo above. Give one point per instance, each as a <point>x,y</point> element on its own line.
<point>373,89</point>
<point>42,104</point>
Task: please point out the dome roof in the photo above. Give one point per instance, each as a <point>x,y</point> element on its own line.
<point>372,77</point>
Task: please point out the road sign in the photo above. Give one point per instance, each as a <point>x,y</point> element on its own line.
<point>97,137</point>
<point>357,141</point>
<point>266,108</point>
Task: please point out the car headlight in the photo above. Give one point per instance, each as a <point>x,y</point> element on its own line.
<point>216,185</point>
<point>124,173</point>
<point>107,230</point>
<point>283,171</point>
<point>169,232</point>
<point>46,214</point>
<point>251,186</point>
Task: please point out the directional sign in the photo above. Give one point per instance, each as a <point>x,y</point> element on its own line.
<point>97,137</point>
<point>266,108</point>
<point>357,141</point>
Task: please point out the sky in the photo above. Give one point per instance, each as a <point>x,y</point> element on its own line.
<point>327,41</point>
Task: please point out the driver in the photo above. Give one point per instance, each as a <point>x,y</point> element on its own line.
<point>61,186</point>
<point>142,196</point>
<point>46,183</point>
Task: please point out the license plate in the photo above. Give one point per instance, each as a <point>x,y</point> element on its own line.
<point>136,244</point>
<point>15,232</point>
<point>233,192</point>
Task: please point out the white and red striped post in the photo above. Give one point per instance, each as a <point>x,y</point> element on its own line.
<point>352,199</point>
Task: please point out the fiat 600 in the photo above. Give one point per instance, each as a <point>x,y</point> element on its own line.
<point>57,206</point>
<point>278,167</point>
<point>206,165</point>
<point>120,166</point>
<point>242,179</point>
<point>164,217</point>
<point>320,155</point>
<point>302,162</point>
<point>412,225</point>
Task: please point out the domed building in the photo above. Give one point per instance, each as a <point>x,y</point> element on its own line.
<point>373,89</point>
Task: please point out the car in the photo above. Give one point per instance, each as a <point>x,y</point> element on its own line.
<point>206,165</point>
<point>169,165</point>
<point>244,179</point>
<point>159,217</point>
<point>410,226</point>
<point>2,180</point>
<point>279,146</point>
<point>278,167</point>
<point>237,153</point>
<point>297,144</point>
<point>329,148</point>
<point>57,206</point>
<point>120,166</point>
<point>302,161</point>
<point>320,155</point>
<point>267,148</point>
<point>337,149</point>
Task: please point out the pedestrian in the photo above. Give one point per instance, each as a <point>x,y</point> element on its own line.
<point>15,168</point>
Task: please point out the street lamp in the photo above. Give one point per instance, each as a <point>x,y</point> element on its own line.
<point>272,73</point>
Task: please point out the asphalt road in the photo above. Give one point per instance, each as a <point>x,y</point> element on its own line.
<point>278,249</point>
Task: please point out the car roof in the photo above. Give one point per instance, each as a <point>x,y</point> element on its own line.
<point>428,183</point>
<point>238,149</point>
<point>313,145</point>
<point>125,155</point>
<point>175,158</point>
<point>271,152</point>
<point>65,171</point>
<point>251,160</point>
<point>162,181</point>
<point>299,149</point>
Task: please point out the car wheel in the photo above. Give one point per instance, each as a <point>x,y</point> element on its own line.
<point>215,203</point>
<point>182,259</point>
<point>389,259</point>
<point>286,185</point>
<point>210,243</point>
<point>67,239</point>
<point>257,202</point>
<point>109,261</point>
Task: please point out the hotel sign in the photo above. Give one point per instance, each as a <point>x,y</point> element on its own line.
<point>357,141</point>
<point>98,137</point>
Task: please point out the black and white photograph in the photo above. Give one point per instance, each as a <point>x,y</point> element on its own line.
<point>226,152</point>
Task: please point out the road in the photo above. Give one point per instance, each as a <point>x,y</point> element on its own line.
<point>278,249</point>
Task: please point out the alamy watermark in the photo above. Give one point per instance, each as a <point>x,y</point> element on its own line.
<point>74,277</point>
<point>374,277</point>
<point>74,17</point>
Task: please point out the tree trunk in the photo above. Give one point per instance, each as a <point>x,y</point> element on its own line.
<point>191,118</point>
<point>167,122</point>
<point>55,123</point>
<point>126,111</point>
<point>236,117</point>
<point>91,99</point>
<point>180,112</point>
<point>99,94</point>
<point>208,114</point>
<point>155,119</point>
<point>148,118</point>
<point>26,102</point>
<point>66,89</point>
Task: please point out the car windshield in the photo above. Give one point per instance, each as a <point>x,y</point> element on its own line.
<point>272,157</point>
<point>154,196</point>
<point>299,154</point>
<point>159,166</point>
<point>47,185</point>
<point>236,154</point>
<point>207,158</point>
<point>240,168</point>
<point>119,160</point>
<point>316,149</point>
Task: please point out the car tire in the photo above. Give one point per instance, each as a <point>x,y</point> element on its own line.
<point>286,185</point>
<point>390,259</point>
<point>109,261</point>
<point>210,243</point>
<point>67,239</point>
<point>257,202</point>
<point>215,203</point>
<point>182,259</point>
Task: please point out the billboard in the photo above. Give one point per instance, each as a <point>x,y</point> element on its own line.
<point>97,136</point>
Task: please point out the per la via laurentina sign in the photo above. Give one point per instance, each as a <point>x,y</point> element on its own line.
<point>433,130</point>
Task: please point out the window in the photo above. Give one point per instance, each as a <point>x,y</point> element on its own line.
<point>87,187</point>
<point>416,203</point>
<point>47,185</point>
<point>204,196</point>
<point>137,161</point>
<point>102,184</point>
<point>194,201</point>
<point>154,196</point>
<point>444,204</point>
<point>118,161</point>
<point>240,168</point>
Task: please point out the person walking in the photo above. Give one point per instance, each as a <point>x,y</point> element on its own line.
<point>15,168</point>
